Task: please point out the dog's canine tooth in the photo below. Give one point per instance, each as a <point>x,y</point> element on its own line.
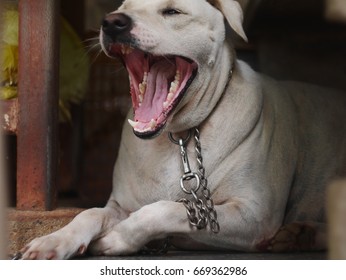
<point>133,123</point>
<point>125,50</point>
<point>129,50</point>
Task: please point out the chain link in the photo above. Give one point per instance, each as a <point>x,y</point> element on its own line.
<point>200,208</point>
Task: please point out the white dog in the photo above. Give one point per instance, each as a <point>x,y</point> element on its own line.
<point>239,161</point>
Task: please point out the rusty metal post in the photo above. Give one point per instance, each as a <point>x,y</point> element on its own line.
<point>39,22</point>
<point>3,186</point>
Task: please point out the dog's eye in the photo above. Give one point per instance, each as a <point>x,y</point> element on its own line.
<point>170,12</point>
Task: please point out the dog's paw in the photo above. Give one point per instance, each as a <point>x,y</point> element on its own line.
<point>291,237</point>
<point>114,244</point>
<point>53,246</point>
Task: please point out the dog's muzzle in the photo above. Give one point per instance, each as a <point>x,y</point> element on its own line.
<point>157,82</point>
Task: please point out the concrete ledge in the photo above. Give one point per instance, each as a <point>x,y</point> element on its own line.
<point>26,225</point>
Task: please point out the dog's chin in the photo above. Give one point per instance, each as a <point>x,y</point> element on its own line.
<point>149,134</point>
<point>158,83</point>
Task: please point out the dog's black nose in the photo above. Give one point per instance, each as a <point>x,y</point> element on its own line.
<point>116,24</point>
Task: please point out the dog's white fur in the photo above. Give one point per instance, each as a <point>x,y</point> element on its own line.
<point>269,148</point>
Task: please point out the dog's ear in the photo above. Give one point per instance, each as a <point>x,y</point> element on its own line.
<point>233,13</point>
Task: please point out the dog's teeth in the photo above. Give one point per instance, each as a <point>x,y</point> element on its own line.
<point>174,87</point>
<point>125,50</point>
<point>177,76</point>
<point>170,96</point>
<point>153,124</point>
<point>132,123</point>
<point>145,78</point>
<point>142,87</point>
<point>129,50</point>
<point>165,104</point>
<point>140,99</point>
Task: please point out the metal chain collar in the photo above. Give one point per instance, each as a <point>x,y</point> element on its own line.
<point>200,208</point>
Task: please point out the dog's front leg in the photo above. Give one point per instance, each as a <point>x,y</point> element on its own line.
<point>158,220</point>
<point>74,238</point>
<point>153,221</point>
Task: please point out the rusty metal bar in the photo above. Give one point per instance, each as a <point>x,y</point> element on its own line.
<point>38,104</point>
<point>3,187</point>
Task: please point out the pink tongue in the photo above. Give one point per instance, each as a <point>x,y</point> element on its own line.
<point>159,78</point>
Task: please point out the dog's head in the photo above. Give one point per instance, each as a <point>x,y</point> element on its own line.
<point>168,47</point>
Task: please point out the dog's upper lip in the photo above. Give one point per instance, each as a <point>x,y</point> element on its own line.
<point>158,83</point>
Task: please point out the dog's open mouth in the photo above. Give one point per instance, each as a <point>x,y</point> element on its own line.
<point>158,83</point>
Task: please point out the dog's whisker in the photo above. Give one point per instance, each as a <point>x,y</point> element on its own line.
<point>95,56</point>
<point>95,30</point>
<point>96,48</point>
<point>93,47</point>
<point>91,39</point>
